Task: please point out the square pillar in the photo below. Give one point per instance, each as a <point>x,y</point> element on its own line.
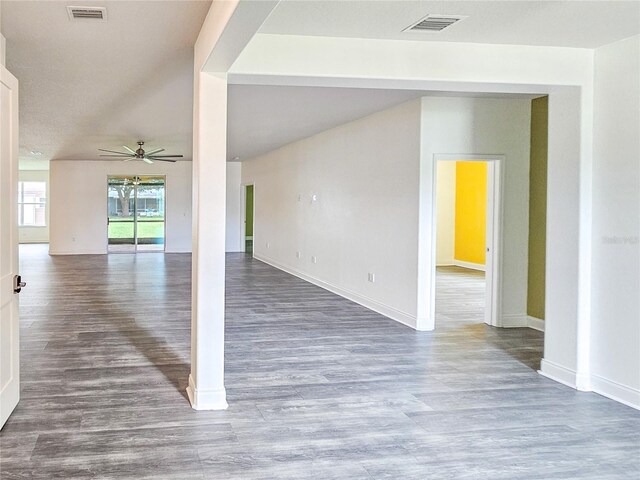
<point>206,381</point>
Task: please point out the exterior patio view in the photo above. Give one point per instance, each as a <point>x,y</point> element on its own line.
<point>136,210</point>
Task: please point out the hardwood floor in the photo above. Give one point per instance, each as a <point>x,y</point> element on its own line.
<point>460,297</point>
<point>318,387</point>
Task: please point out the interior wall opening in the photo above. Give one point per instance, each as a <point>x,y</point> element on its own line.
<point>247,238</point>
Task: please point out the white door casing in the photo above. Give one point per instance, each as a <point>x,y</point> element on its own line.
<point>9,321</point>
<point>493,264</point>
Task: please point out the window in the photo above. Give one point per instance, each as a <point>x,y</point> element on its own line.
<point>32,199</point>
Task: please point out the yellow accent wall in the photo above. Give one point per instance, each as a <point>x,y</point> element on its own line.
<point>537,208</point>
<point>471,212</point>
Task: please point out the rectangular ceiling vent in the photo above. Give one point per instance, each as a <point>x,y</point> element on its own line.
<point>434,23</point>
<point>87,13</point>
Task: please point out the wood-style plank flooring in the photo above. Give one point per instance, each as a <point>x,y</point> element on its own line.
<point>318,387</point>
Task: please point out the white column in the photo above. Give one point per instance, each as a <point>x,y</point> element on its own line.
<point>206,382</point>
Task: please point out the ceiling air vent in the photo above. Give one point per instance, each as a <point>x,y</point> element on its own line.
<point>434,23</point>
<point>87,13</point>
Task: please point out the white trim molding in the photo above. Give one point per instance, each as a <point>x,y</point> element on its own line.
<point>616,391</point>
<point>472,266</point>
<point>514,320</point>
<point>386,310</point>
<point>558,373</point>
<point>535,323</point>
<point>206,399</point>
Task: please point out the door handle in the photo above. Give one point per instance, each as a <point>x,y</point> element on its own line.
<point>18,284</point>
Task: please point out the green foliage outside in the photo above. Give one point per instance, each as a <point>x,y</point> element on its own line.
<point>147,228</point>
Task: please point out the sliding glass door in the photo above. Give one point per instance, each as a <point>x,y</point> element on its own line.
<point>136,208</point>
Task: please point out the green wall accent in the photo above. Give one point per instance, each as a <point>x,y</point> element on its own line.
<point>538,207</point>
<point>249,212</point>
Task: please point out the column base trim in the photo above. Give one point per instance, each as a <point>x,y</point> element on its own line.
<point>201,399</point>
<point>558,373</point>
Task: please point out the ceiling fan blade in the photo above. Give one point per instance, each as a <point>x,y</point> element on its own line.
<point>163,160</point>
<point>119,153</point>
<point>157,150</point>
<point>146,160</point>
<point>164,156</point>
<point>128,149</point>
<point>119,156</point>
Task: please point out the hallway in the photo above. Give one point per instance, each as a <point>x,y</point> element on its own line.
<point>318,387</point>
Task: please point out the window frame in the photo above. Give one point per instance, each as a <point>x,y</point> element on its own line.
<point>22,203</point>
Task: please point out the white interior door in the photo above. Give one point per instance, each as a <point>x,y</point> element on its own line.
<point>492,237</point>
<point>9,323</point>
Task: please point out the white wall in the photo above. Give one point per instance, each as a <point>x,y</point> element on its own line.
<point>446,212</point>
<point>78,203</point>
<point>367,176</point>
<point>233,239</point>
<point>35,234</point>
<point>364,176</point>
<point>482,126</point>
<point>615,335</point>
<point>3,50</point>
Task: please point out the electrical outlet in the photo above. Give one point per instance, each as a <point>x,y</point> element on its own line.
<point>314,259</point>
<point>371,277</point>
<point>298,254</point>
<point>268,245</point>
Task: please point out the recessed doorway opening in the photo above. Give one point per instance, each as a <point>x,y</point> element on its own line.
<point>248,224</point>
<point>467,227</point>
<point>136,213</point>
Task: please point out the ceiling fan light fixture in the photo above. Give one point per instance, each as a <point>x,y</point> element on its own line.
<point>140,154</point>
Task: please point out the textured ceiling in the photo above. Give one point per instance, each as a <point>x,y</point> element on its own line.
<point>583,24</point>
<point>89,84</point>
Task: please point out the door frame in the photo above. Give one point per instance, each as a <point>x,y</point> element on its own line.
<point>493,235</point>
<point>10,391</point>
<point>135,213</point>
<point>243,222</point>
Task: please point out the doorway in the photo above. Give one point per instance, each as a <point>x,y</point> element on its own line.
<point>467,231</point>
<point>136,213</point>
<point>247,225</point>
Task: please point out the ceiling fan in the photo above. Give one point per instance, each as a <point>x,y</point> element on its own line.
<point>140,154</point>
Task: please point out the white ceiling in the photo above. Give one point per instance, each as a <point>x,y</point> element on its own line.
<point>264,117</point>
<point>583,24</point>
<point>88,84</point>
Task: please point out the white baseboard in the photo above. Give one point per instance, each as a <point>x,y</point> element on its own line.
<point>371,304</point>
<point>535,323</point>
<point>472,266</point>
<point>517,320</point>
<point>558,373</point>
<point>615,391</point>
<point>522,320</point>
<point>206,399</point>
<point>89,252</point>
<point>591,383</point>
